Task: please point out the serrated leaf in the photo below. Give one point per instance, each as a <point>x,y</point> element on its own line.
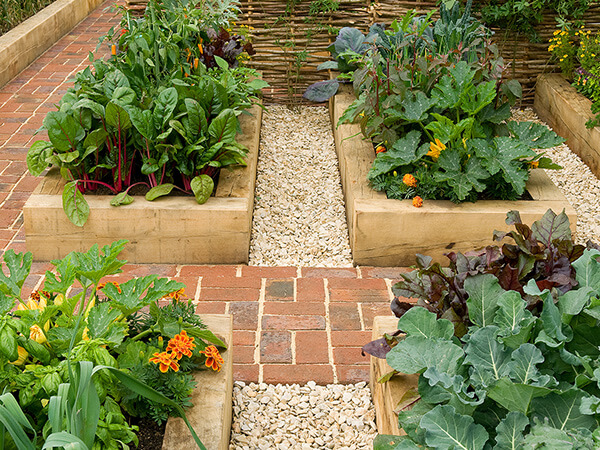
<point>484,292</point>
<point>509,432</point>
<point>534,135</point>
<point>415,108</point>
<point>445,429</point>
<point>95,264</point>
<point>416,353</point>
<point>102,324</point>
<point>159,191</point>
<point>74,204</point>
<point>418,321</point>
<point>122,198</point>
<point>405,151</point>
<point>202,186</point>
<point>479,96</point>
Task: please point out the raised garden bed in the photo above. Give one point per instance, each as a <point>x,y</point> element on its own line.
<point>566,111</point>
<point>387,395</point>
<point>23,44</point>
<point>211,414</point>
<point>386,232</point>
<point>168,230</point>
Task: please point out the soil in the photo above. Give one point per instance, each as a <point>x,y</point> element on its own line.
<point>150,435</point>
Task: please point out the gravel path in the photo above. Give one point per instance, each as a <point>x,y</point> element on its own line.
<point>302,417</point>
<point>299,216</point>
<point>577,182</point>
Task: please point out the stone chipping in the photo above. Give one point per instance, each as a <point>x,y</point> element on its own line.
<point>576,181</point>
<point>299,216</point>
<point>283,417</point>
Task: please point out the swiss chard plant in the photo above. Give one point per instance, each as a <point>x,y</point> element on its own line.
<point>152,115</point>
<point>142,329</point>
<point>432,99</point>
<point>515,379</point>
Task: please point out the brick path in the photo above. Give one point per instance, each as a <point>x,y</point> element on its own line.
<point>291,325</point>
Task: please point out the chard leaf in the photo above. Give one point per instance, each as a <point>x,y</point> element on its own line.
<point>551,227</point>
<point>36,157</point>
<point>164,106</point>
<point>563,410</point>
<point>487,356</point>
<point>417,321</point>
<point>75,206</point>
<point>117,116</point>
<point>142,121</point>
<point>445,429</point>
<point>223,128</point>
<point>484,292</point>
<point>416,353</point>
<point>516,396</point>
<point>63,131</point>
<point>159,191</point>
<point>122,198</point>
<point>509,433</point>
<point>202,186</point>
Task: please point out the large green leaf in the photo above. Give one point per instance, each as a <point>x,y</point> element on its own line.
<point>142,121</point>
<point>461,181</point>
<point>552,320</point>
<point>522,367</point>
<point>164,106</point>
<point>118,117</point>
<point>63,130</point>
<point>445,429</point>
<point>484,292</point>
<point>511,313</point>
<point>223,128</point>
<point>509,433</point>
<point>36,157</point>
<point>389,442</point>
<point>544,436</point>
<point>202,186</point>
<point>196,123</point>
<point>74,204</point>
<point>405,151</point>
<point>418,321</point>
<point>102,324</point>
<point>488,357</point>
<point>534,135</point>
<point>417,353</point>
<point>416,107</point>
<point>159,191</point>
<point>8,342</point>
<point>479,96</point>
<point>516,396</point>
<point>562,410</point>
<point>587,269</point>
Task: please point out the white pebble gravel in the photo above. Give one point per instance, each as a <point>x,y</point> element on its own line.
<point>299,215</point>
<point>335,416</point>
<point>576,181</point>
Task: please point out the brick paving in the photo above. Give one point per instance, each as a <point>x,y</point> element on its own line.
<point>291,325</point>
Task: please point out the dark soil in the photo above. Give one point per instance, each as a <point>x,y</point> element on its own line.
<point>150,435</point>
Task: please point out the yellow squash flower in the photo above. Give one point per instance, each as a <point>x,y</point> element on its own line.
<point>435,148</point>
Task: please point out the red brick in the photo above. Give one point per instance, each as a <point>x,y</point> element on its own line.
<point>352,374</point>
<point>358,296</point>
<point>322,272</point>
<point>245,315</point>
<point>370,310</point>
<point>233,294</point>
<point>269,272</point>
<point>243,354</point>
<point>344,316</point>
<point>293,322</point>
<point>310,290</point>
<point>349,356</point>
<point>275,347</point>
<point>8,217</point>
<point>350,338</point>
<point>231,282</point>
<point>298,373</point>
<point>393,273</point>
<point>279,289</point>
<point>357,283</point>
<point>210,308</point>
<point>241,337</point>
<point>311,347</point>
<point>209,271</point>
<point>294,308</point>
<point>16,168</point>
<point>245,372</point>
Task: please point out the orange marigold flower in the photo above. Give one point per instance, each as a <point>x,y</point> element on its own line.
<point>103,285</point>
<point>380,149</point>
<point>409,180</point>
<point>165,361</point>
<point>181,345</point>
<point>417,202</point>
<point>176,295</point>
<point>214,359</point>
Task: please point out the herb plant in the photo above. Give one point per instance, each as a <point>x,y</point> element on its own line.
<point>515,379</point>
<point>13,12</point>
<point>80,315</point>
<point>432,100</point>
<point>153,114</point>
<point>577,51</point>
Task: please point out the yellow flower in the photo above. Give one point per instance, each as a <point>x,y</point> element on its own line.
<point>176,295</point>
<point>534,164</point>
<point>213,359</point>
<point>435,149</point>
<point>409,180</point>
<point>22,356</point>
<point>165,361</point>
<point>36,334</point>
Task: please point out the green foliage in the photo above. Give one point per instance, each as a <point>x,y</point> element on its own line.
<point>13,12</point>
<point>82,319</point>
<point>160,112</point>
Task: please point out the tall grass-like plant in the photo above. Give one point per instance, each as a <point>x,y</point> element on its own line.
<point>13,12</point>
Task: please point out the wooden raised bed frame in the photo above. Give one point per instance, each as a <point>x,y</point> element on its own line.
<point>168,230</point>
<point>387,232</point>
<point>211,414</point>
<point>564,109</point>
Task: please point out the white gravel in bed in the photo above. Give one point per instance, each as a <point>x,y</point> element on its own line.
<point>282,417</point>
<point>299,215</point>
<point>577,182</point>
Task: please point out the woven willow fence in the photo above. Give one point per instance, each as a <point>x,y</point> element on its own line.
<point>289,46</point>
